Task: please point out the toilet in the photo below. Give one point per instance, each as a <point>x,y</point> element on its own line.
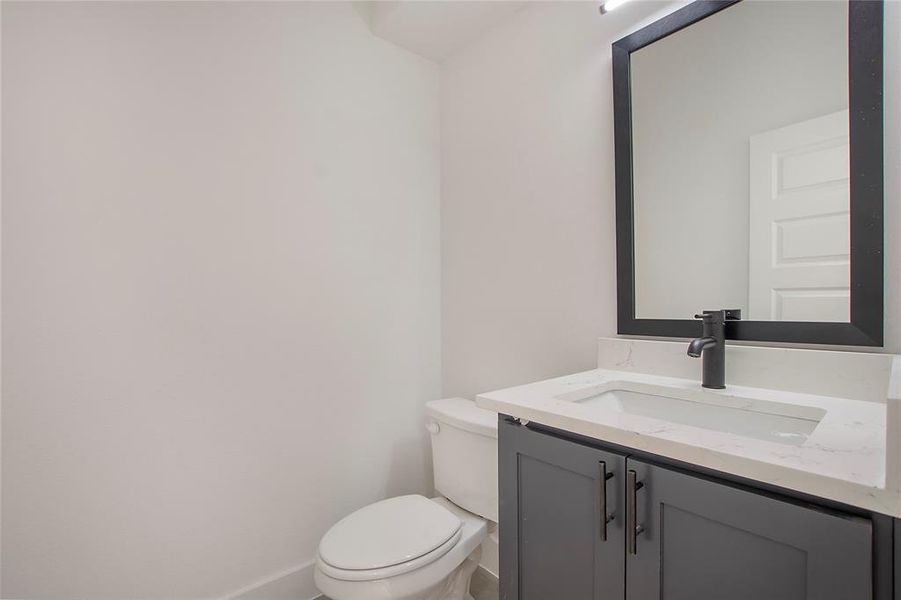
<point>413,547</point>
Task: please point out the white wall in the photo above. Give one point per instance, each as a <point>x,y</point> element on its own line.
<point>207,250</point>
<point>220,289</point>
<point>694,110</point>
<point>527,196</point>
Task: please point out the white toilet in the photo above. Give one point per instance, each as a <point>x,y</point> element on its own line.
<point>413,547</point>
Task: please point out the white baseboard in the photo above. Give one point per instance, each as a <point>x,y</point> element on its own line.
<point>295,583</point>
<point>490,551</point>
<point>490,558</point>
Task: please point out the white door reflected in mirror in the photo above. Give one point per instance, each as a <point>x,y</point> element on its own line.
<point>800,243</point>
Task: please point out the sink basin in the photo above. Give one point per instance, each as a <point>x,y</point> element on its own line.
<point>770,421</point>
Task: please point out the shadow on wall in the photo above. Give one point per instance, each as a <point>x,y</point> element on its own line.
<point>408,455</point>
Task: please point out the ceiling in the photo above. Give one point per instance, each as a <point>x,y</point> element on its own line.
<point>434,29</point>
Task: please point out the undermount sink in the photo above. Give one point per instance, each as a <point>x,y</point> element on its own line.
<point>763,420</point>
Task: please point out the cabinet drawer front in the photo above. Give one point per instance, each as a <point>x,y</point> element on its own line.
<point>703,540</point>
<point>553,542</point>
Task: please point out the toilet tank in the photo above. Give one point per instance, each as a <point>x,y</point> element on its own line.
<point>464,454</point>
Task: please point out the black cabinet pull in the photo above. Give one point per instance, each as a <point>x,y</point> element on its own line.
<point>606,517</point>
<point>632,526</point>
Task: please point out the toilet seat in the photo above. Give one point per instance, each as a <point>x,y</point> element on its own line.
<point>426,580</point>
<point>393,570</point>
<point>388,538</point>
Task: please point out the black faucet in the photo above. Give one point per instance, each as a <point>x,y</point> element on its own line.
<point>712,346</point>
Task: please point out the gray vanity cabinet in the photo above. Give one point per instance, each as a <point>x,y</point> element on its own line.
<point>554,543</point>
<point>701,539</point>
<point>696,538</point>
<point>897,548</point>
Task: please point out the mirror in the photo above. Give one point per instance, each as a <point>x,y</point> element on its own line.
<point>741,165</point>
<point>749,170</point>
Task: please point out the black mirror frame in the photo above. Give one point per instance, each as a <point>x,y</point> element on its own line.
<point>865,74</point>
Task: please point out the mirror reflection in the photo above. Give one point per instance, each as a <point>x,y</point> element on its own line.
<point>741,165</point>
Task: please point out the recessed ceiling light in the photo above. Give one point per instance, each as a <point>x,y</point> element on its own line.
<point>610,5</point>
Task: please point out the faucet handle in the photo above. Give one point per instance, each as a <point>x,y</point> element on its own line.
<point>711,318</point>
<point>726,314</point>
<point>710,315</point>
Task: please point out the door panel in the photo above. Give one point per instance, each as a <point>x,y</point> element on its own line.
<point>799,265</point>
<point>551,529</point>
<point>551,542</point>
<point>709,541</point>
<point>696,569</point>
<point>897,553</point>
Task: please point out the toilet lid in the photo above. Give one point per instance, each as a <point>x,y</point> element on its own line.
<point>388,533</point>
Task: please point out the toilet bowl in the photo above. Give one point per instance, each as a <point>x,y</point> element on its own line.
<point>416,548</point>
<point>440,573</point>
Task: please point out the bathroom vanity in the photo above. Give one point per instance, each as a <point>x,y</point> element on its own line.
<point>749,186</point>
<point>673,532</point>
<point>630,481</point>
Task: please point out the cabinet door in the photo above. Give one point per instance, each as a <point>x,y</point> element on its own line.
<point>703,540</point>
<point>897,552</point>
<point>554,541</point>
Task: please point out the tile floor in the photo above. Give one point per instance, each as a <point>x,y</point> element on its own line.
<point>482,587</point>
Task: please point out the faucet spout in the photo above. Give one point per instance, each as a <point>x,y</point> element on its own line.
<point>711,346</point>
<point>698,345</point>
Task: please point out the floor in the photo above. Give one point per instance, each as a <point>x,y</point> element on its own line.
<point>482,587</point>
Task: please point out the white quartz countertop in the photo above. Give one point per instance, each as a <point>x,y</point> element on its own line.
<point>843,459</point>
